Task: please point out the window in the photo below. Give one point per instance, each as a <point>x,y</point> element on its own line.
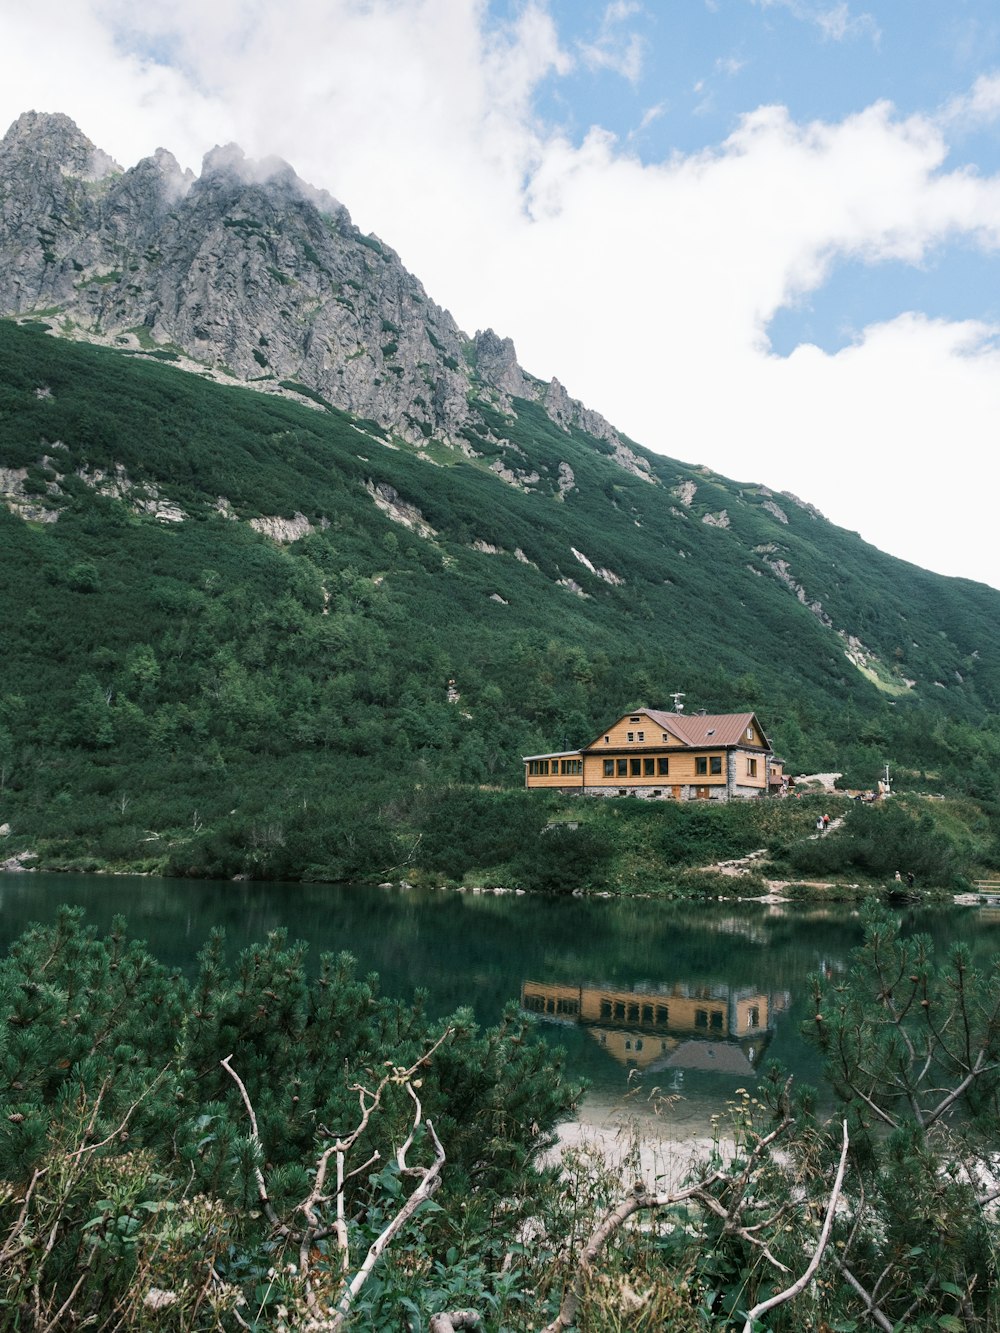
<point>701,1018</point>
<point>609,768</point>
<point>605,1008</point>
<point>715,764</point>
<point>633,1013</point>
<point>571,766</point>
<point>641,735</point>
<point>539,768</point>
<point>649,767</point>
<point>631,736</point>
<point>666,739</point>
<point>716,1020</point>
<point>662,1014</point>
<point>663,767</point>
<point>647,1013</point>
<point>635,719</point>
<point>607,740</point>
<point>749,733</point>
<point>619,1009</point>
<point>753,1018</point>
<point>751,768</point>
<point>636,767</point>
<point>622,768</point>
<point>701,766</point>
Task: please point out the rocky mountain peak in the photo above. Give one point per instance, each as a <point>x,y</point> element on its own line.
<point>251,272</point>
<point>50,139</point>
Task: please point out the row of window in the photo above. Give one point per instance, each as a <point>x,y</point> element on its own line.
<point>660,767</point>
<point>713,1019</point>
<point>634,737</point>
<point>622,1012</point>
<point>541,1004</point>
<point>704,766</point>
<point>543,768</point>
<point>636,768</point>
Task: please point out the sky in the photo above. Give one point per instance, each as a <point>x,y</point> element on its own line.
<point>762,236</point>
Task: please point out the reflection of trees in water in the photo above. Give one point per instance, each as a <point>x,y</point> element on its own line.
<point>475,949</point>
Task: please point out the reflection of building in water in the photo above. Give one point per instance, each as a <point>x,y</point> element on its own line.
<point>678,1027</point>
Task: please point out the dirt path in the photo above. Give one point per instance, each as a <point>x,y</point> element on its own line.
<point>738,866</point>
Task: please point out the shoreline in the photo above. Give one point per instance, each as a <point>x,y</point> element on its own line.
<point>818,890</point>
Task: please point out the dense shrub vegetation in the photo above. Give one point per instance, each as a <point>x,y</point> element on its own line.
<point>221,1152</point>
<point>135,1145</point>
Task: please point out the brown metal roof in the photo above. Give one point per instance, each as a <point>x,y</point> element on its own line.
<point>708,729</point>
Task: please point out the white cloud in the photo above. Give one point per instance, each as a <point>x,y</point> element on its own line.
<point>612,49</point>
<point>836,22</point>
<point>652,114</point>
<point>978,107</point>
<point>647,289</point>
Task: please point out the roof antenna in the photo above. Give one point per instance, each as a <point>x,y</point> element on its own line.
<point>678,706</point>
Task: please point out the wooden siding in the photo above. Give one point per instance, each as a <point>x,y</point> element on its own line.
<point>681,768</point>
<point>643,732</point>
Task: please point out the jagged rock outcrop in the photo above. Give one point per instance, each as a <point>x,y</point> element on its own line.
<point>252,273</point>
<point>497,367</point>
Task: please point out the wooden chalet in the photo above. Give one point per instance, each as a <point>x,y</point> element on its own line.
<point>663,756</point>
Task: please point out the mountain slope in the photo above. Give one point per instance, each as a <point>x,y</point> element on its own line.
<point>224,610</point>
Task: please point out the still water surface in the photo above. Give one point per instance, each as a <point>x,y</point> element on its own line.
<point>692,999</point>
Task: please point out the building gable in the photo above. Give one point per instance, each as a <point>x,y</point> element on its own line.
<point>643,726</point>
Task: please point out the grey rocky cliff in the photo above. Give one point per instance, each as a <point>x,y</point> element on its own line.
<point>250,272</point>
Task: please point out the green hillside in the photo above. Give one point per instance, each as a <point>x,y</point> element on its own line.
<point>183,692</point>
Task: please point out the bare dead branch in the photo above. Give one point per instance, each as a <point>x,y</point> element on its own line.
<point>67,1303</point>
<point>115,1133</point>
<point>405,1146</point>
<point>979,1068</point>
<point>800,1284</point>
<point>17,1230</point>
<point>266,1204</point>
<point>871,1308</point>
<point>430,1180</point>
<point>451,1321</point>
<point>331,1320</point>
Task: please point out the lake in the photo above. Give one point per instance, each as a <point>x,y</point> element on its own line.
<point>689,998</point>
